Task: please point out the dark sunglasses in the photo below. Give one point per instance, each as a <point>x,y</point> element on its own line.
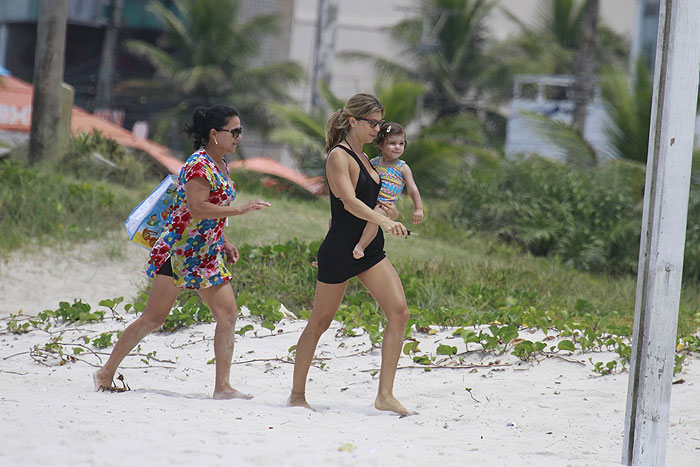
<point>372,123</point>
<point>235,132</point>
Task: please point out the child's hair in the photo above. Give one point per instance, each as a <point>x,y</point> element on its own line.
<point>359,105</point>
<point>204,120</point>
<point>390,129</point>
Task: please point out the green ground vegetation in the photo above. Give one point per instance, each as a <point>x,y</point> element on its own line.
<point>502,254</point>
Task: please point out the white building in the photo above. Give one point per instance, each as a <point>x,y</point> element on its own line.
<point>362,25</point>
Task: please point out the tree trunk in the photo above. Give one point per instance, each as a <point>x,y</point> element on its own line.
<point>586,64</point>
<point>105,77</point>
<point>323,50</point>
<point>48,76</point>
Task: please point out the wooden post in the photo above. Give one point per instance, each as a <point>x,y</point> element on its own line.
<point>663,233</point>
<point>48,76</point>
<point>65,118</point>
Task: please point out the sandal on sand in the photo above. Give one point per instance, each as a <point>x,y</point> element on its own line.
<point>113,388</point>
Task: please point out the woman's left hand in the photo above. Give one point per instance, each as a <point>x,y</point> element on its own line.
<point>231,252</point>
<point>396,229</point>
<point>390,209</point>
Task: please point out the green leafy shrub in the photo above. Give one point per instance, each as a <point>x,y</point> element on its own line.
<point>78,311</point>
<point>591,219</point>
<point>94,156</point>
<point>192,311</point>
<point>35,203</point>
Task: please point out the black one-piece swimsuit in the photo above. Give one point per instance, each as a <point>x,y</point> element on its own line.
<point>335,261</point>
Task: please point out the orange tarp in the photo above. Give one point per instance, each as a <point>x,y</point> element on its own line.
<point>16,115</point>
<point>84,122</point>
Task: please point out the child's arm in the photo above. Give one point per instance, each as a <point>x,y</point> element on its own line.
<point>413,192</point>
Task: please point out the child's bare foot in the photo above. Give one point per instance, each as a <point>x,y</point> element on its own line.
<point>101,380</point>
<point>298,399</point>
<point>358,252</point>
<point>389,403</point>
<point>230,393</point>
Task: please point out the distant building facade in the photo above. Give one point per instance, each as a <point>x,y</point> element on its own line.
<point>361,25</point>
<point>86,24</point>
<point>87,21</point>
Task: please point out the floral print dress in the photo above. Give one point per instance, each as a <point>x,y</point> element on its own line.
<point>195,246</point>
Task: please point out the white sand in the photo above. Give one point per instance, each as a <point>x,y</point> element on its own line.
<point>36,281</point>
<point>551,413</point>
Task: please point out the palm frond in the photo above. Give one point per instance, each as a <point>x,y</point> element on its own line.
<point>400,99</point>
<point>333,101</point>
<point>163,62</point>
<point>382,65</point>
<point>577,150</point>
<point>629,108</point>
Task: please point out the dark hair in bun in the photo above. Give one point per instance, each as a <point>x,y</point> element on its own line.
<point>204,120</point>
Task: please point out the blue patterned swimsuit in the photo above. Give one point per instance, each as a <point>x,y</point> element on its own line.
<point>392,180</point>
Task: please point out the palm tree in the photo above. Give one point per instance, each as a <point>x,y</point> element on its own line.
<point>203,57</point>
<point>628,106</point>
<point>444,44</point>
<point>549,46</point>
<point>304,132</point>
<point>585,67</point>
<point>435,152</point>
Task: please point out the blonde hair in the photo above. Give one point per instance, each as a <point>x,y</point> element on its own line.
<point>359,105</point>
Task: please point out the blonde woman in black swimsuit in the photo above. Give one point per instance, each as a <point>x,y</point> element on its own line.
<point>354,186</point>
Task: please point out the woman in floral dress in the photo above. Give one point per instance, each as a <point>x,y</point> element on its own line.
<point>191,251</point>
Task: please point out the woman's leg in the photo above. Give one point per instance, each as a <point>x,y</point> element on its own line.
<point>160,301</point>
<point>222,303</point>
<point>326,302</point>
<point>368,234</point>
<point>384,285</point>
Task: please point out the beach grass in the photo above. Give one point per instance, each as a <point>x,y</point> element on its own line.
<point>41,207</point>
<point>443,266</point>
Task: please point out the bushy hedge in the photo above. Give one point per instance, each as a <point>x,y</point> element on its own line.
<point>96,157</point>
<point>35,202</point>
<point>591,219</point>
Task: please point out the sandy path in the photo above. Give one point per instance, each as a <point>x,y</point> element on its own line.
<point>35,281</point>
<point>552,413</point>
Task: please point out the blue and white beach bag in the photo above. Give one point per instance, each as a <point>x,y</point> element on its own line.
<point>146,222</point>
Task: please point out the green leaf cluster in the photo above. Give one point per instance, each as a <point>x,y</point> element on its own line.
<point>185,315</point>
<point>590,219</point>
<point>76,312</point>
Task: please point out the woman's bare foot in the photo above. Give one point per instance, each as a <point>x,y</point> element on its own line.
<point>389,403</point>
<point>230,393</point>
<point>298,399</point>
<point>101,380</point>
<point>358,252</point>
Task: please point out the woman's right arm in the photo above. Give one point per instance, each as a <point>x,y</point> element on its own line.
<point>197,191</point>
<point>338,174</point>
